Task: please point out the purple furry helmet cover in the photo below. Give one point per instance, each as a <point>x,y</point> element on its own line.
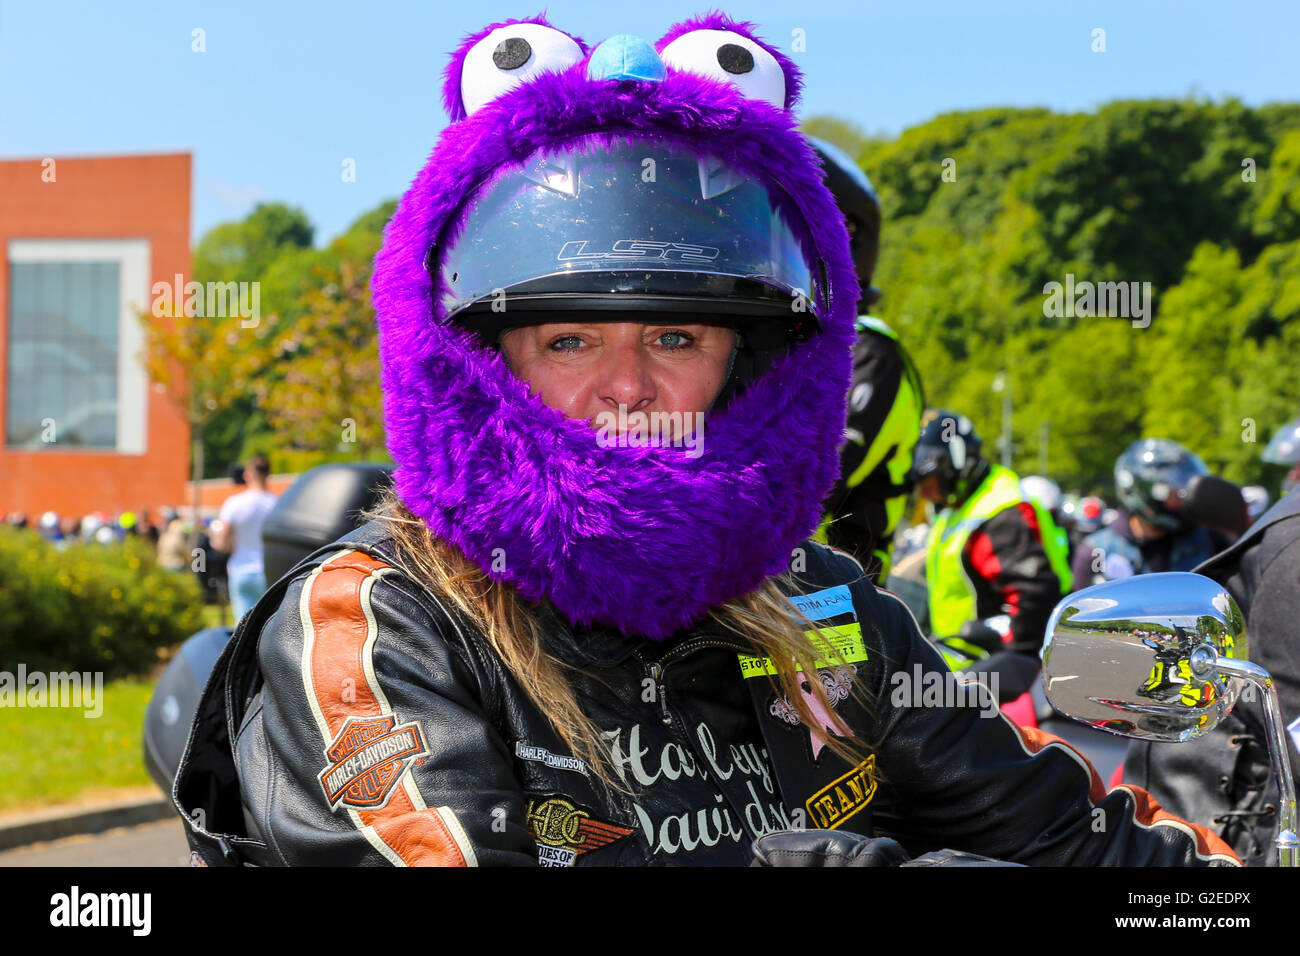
<point>641,539</point>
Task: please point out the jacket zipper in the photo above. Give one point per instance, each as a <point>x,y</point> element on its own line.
<point>658,667</point>
<point>655,671</point>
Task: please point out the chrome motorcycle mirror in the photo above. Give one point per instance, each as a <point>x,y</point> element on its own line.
<point>1138,656</point>
<point>1161,657</point>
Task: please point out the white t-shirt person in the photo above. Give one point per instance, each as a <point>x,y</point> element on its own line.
<point>244,514</point>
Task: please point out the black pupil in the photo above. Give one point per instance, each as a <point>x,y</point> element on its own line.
<point>734,58</point>
<point>511,54</point>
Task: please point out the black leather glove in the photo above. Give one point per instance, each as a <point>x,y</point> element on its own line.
<point>825,848</point>
<point>832,848</point>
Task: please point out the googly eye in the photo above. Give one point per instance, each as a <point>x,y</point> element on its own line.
<point>511,55</point>
<point>731,57</point>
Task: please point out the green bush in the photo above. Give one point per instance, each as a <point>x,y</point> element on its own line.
<point>90,607</point>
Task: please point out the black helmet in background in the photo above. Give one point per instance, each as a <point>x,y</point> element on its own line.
<point>857,199</point>
<point>950,449</point>
<point>1152,479</point>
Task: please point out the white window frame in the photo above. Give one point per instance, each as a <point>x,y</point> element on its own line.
<point>133,262</point>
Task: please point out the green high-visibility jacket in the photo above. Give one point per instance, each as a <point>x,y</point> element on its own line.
<point>952,596</point>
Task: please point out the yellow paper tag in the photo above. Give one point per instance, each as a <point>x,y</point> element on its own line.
<point>846,639</point>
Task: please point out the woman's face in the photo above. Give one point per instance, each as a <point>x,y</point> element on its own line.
<point>585,369</point>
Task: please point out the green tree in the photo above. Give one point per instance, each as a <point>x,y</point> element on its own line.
<point>984,208</point>
<point>1277,214</point>
<point>242,251</point>
<point>272,246</point>
<point>316,378</point>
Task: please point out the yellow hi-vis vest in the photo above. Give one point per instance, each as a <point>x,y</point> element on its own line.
<point>951,594</point>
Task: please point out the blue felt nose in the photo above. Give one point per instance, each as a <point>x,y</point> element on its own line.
<point>626,57</point>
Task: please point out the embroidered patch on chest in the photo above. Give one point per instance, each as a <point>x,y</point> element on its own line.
<point>832,805</point>
<point>526,751</point>
<point>564,831</point>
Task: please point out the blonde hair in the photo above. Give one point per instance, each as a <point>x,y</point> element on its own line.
<point>764,620</point>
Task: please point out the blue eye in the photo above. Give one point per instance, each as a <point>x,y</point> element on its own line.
<point>559,344</point>
<point>683,340</point>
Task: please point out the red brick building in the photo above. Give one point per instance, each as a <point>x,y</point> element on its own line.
<point>82,242</point>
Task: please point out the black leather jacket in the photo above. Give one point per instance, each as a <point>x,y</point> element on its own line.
<point>354,719</point>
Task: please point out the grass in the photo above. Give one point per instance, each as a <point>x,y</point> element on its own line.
<point>56,755</point>
<point>53,755</point>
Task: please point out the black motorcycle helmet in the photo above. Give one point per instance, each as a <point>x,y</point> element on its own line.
<point>949,448</point>
<point>1152,479</point>
<point>857,199</point>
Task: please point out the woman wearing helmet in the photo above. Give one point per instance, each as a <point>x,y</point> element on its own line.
<point>615,314</point>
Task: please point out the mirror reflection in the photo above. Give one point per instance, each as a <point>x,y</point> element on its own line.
<point>1137,656</point>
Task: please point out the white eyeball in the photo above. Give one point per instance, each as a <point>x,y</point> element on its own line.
<point>510,55</point>
<point>732,57</point>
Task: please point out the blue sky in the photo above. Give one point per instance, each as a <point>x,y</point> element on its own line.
<point>287,91</point>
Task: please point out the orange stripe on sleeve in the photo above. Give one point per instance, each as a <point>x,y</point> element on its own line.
<point>1035,740</point>
<point>339,679</point>
<point>1147,811</point>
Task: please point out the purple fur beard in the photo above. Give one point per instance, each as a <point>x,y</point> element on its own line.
<point>643,539</point>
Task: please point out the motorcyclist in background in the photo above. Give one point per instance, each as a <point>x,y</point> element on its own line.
<point>1155,529</point>
<point>996,564</point>
<point>885,401</point>
<point>1047,494</point>
<point>1081,517</point>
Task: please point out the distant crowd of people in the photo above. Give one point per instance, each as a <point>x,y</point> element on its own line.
<point>230,542</point>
